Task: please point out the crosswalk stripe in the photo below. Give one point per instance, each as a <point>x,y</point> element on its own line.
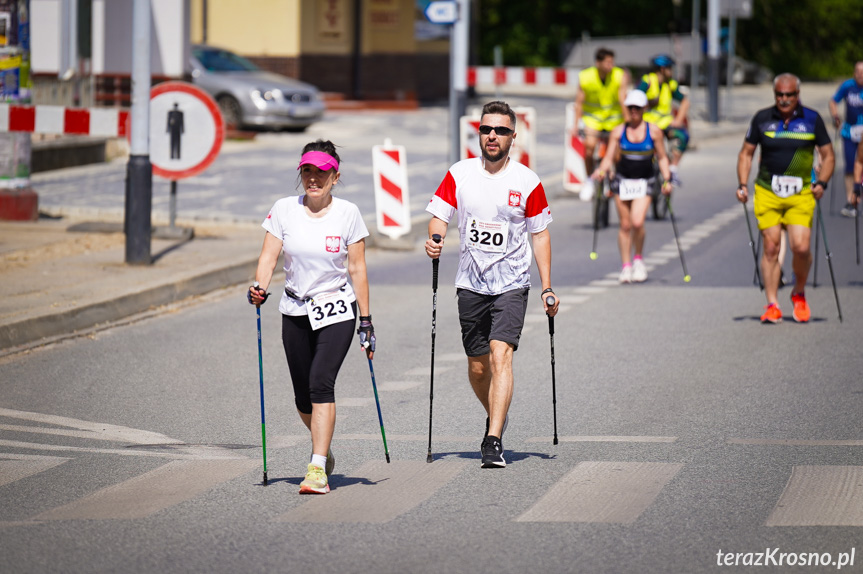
<point>15,467</point>
<point>146,494</point>
<point>379,493</point>
<point>796,442</point>
<point>821,496</point>
<point>101,431</point>
<point>603,491</point>
<point>605,438</point>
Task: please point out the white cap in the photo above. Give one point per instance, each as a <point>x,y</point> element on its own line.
<point>636,98</point>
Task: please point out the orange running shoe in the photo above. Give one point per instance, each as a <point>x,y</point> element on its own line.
<point>801,308</point>
<point>772,314</point>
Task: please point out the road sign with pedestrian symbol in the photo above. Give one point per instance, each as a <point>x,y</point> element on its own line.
<point>186,130</point>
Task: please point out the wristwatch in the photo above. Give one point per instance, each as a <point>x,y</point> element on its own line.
<point>823,184</point>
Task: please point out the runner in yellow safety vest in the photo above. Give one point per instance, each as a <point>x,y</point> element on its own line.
<point>662,92</point>
<point>599,106</point>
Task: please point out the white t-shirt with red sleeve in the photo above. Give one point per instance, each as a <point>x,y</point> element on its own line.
<point>315,248</point>
<point>496,212</point>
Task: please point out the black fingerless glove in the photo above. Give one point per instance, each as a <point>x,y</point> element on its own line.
<point>261,293</point>
<point>366,331</point>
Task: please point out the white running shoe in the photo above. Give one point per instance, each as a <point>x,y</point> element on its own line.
<point>639,271</point>
<point>626,274</point>
<point>587,190</point>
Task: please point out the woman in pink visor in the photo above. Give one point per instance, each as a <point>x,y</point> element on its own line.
<point>323,241</point>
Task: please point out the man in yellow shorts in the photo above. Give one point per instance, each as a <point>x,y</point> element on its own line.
<point>785,196</point>
<point>599,106</point>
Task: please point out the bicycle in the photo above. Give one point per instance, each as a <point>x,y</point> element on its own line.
<point>600,199</point>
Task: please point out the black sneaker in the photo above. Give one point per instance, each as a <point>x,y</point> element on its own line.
<point>492,453</point>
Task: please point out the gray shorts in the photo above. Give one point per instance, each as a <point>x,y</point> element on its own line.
<point>490,317</point>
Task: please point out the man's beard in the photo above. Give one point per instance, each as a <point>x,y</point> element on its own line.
<point>501,153</point>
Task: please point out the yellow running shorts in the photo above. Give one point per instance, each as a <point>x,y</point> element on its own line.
<point>772,210</point>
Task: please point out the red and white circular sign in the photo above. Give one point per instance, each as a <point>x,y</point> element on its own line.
<point>186,130</point>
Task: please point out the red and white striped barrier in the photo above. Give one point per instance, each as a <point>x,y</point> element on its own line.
<point>574,169</point>
<point>519,76</point>
<point>392,198</point>
<point>106,122</point>
<point>522,147</point>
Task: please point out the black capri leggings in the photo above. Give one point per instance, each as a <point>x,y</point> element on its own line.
<point>315,357</point>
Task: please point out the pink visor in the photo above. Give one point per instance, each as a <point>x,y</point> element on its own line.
<point>320,160</point>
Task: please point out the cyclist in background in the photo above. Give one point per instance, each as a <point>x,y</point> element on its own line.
<point>662,91</point>
<point>599,106</point>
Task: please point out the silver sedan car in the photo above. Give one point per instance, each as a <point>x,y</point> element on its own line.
<point>250,96</point>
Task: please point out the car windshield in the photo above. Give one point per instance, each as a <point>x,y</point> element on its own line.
<point>215,60</point>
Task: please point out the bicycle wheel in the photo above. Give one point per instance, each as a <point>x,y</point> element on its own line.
<point>600,206</point>
<point>660,206</point>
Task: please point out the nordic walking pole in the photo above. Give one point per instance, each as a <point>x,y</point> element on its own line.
<point>833,179</point>
<point>815,271</point>
<point>596,212</point>
<point>435,262</point>
<point>686,277</point>
<point>380,418</point>
<point>550,300</point>
<point>857,190</point>
<point>752,245</point>
<point>261,373</point>
<point>829,258</point>
<point>755,277</point>
<point>857,232</point>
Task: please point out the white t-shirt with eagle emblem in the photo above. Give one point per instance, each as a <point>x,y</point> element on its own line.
<point>315,248</point>
<point>496,212</point>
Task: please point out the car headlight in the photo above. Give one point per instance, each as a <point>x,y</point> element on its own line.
<point>262,97</point>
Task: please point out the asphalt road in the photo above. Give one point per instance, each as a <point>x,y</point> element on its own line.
<point>687,429</point>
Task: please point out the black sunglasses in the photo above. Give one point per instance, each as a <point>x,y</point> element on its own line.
<point>635,108</point>
<point>499,130</point>
<point>785,94</point>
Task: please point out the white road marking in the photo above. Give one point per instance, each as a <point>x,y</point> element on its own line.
<point>377,493</point>
<point>354,402</point>
<point>821,496</point>
<point>100,431</point>
<point>609,438</point>
<point>424,370</point>
<point>147,494</point>
<point>180,452</point>
<point>398,385</point>
<point>17,466</point>
<point>603,491</point>
<point>795,442</point>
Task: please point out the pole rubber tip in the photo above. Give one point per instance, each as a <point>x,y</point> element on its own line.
<point>265,479</point>
<point>429,458</point>
<point>555,440</point>
<point>388,458</point>
<point>687,278</point>
<point>593,255</point>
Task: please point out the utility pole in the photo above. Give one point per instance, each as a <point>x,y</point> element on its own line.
<point>459,43</point>
<point>139,173</point>
<point>713,57</point>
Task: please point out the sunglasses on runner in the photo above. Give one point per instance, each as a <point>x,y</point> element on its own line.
<point>784,94</point>
<point>499,130</point>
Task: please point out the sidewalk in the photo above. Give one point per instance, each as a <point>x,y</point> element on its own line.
<point>56,281</point>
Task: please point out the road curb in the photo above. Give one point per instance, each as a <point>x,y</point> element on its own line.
<point>68,323</point>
